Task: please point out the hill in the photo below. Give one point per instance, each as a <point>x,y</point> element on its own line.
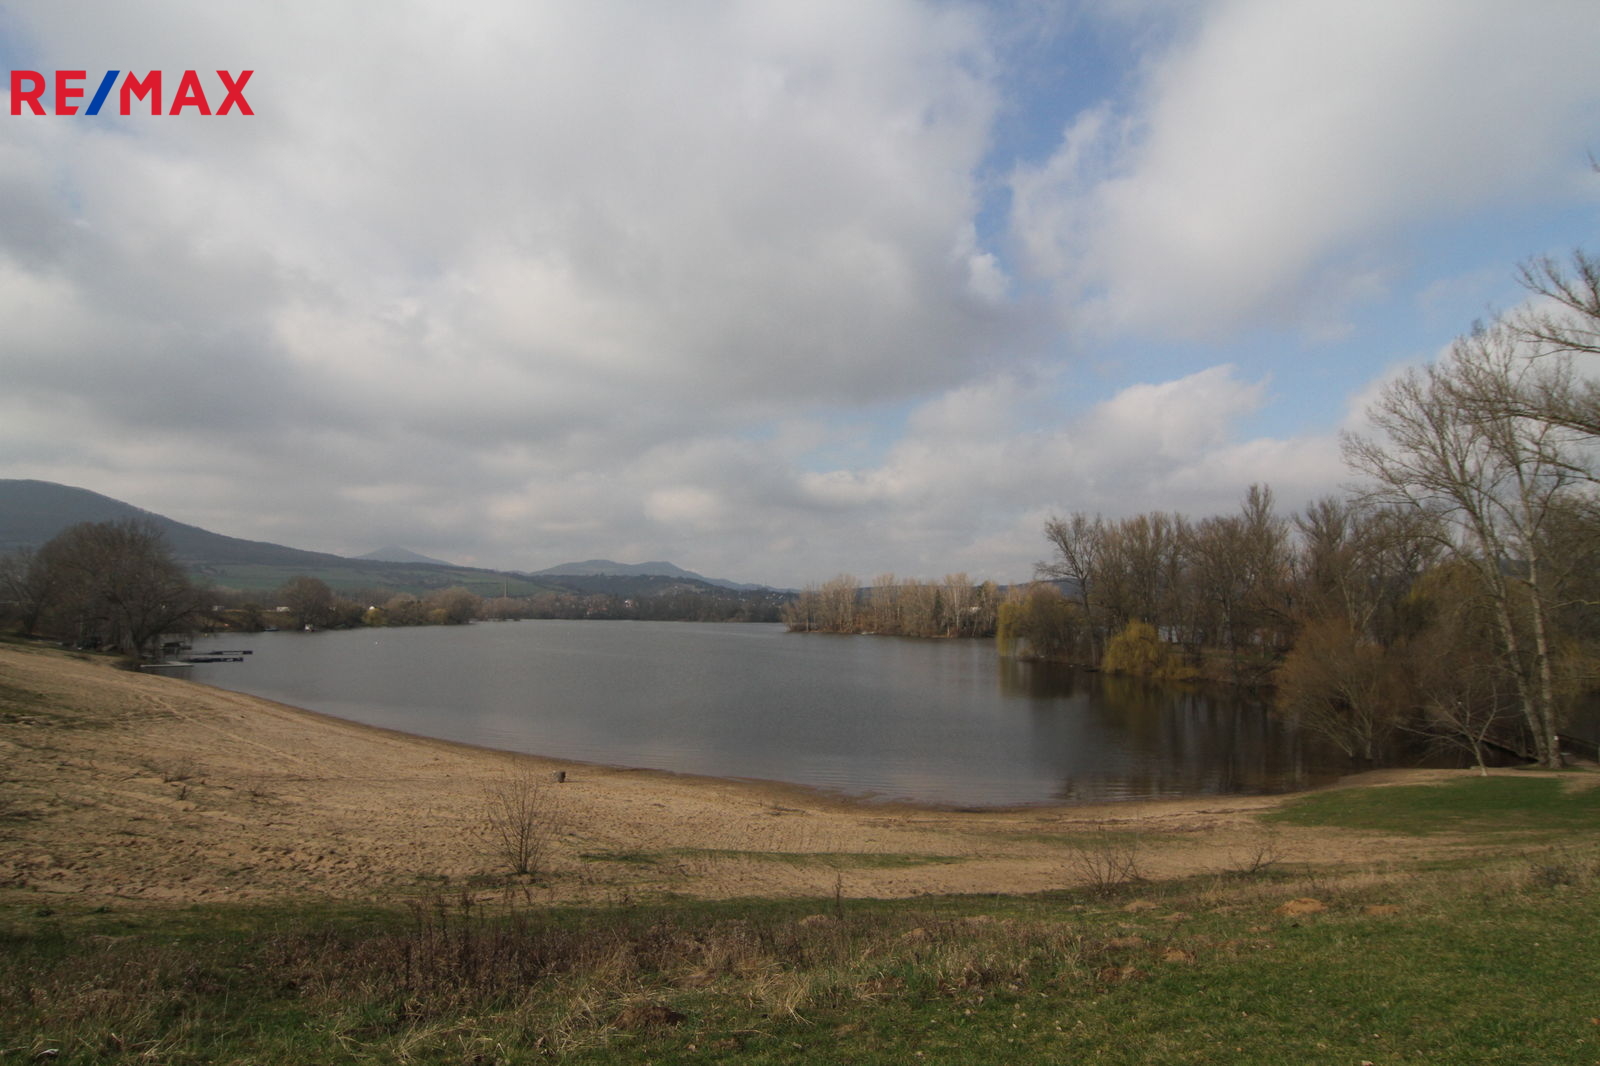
<point>659,569</point>
<point>391,553</point>
<point>32,512</point>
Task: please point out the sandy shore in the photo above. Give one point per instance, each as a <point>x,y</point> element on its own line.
<point>127,785</point>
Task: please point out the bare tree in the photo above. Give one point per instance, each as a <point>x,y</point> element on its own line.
<point>1561,325</point>
<point>1449,445</point>
<point>1079,541</point>
<point>1357,560</point>
<point>838,604</point>
<point>310,600</point>
<point>1266,542</point>
<point>1334,683</point>
<point>1239,568</point>
<point>1462,697</point>
<point>114,584</point>
<point>28,586</point>
<point>884,604</point>
<point>1568,320</point>
<point>919,608</point>
<point>454,606</point>
<point>833,608</point>
<point>1152,547</point>
<point>957,599</point>
<point>984,613</point>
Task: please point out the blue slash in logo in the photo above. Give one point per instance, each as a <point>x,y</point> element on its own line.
<point>101,93</point>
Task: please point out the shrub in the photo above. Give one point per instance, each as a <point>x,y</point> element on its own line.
<point>1138,650</point>
<point>520,821</point>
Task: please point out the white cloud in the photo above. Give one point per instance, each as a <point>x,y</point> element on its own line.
<point>717,283</point>
<point>502,256</point>
<point>1283,145</point>
<point>777,197</point>
<point>971,483</point>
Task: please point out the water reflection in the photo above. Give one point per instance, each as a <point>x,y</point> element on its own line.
<point>1111,737</point>
<point>935,721</point>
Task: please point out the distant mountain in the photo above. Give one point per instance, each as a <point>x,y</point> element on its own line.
<point>32,512</point>
<point>610,568</point>
<point>390,553</point>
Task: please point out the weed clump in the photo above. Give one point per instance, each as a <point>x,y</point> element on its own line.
<point>1106,862</point>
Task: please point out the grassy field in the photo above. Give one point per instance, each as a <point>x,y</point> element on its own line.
<point>1482,961</point>
<point>1528,808</point>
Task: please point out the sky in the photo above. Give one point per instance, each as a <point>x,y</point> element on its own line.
<point>773,290</point>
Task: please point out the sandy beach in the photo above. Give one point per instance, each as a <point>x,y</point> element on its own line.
<point>122,785</point>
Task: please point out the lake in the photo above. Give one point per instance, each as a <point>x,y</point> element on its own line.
<point>935,721</point>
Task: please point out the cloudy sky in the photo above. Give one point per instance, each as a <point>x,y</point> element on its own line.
<point>773,290</point>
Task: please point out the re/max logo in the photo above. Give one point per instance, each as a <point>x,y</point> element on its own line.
<point>28,87</point>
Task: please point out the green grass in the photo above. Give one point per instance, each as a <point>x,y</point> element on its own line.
<point>627,857</point>
<point>1477,966</point>
<point>1478,805</point>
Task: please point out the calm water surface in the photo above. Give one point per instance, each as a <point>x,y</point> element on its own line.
<point>934,721</point>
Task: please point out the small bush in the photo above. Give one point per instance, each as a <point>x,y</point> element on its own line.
<point>520,821</point>
<point>1107,861</point>
<point>1260,855</point>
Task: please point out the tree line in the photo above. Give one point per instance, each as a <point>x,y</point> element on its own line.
<point>1455,593</point>
<point>310,602</point>
<point>890,606</point>
<point>115,586</point>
